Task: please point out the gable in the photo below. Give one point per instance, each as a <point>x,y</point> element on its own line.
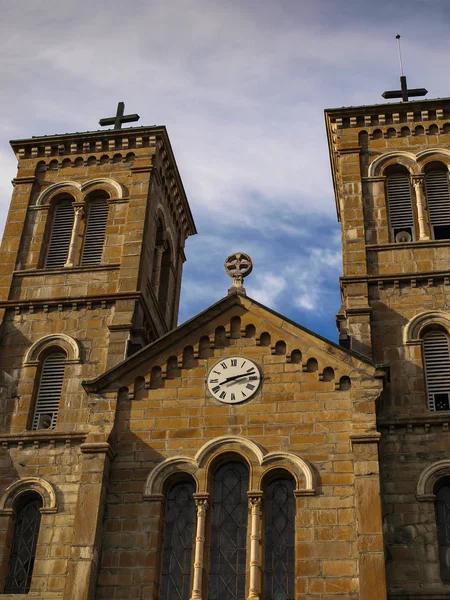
<point>237,324</point>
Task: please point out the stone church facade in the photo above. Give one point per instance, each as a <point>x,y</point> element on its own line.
<point>238,456</point>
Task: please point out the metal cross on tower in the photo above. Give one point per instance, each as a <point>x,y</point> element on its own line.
<point>403,92</point>
<point>119,118</point>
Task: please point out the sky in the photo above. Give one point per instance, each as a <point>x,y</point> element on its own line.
<point>241,86</point>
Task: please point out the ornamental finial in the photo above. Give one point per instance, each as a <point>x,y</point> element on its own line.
<point>237,266</point>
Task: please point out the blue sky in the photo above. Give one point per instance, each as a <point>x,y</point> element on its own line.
<point>241,86</point>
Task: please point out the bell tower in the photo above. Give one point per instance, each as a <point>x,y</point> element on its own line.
<point>390,165</point>
<point>91,259</point>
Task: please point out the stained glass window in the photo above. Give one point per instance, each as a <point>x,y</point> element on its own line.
<point>229,532</point>
<point>23,549</point>
<point>443,529</point>
<point>178,538</point>
<point>279,540</point>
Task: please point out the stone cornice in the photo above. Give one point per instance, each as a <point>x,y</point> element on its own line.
<point>41,436</point>
<point>66,270</point>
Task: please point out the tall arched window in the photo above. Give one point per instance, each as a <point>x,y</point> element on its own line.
<point>166,267</point>
<point>23,551</point>
<point>436,358</point>
<point>400,211</point>
<point>49,391</point>
<point>229,532</point>
<point>279,539</point>
<point>443,527</point>
<point>438,201</point>
<point>178,540</point>
<point>94,236</point>
<point>61,233</point>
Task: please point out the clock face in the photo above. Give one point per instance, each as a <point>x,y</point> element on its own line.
<point>234,379</point>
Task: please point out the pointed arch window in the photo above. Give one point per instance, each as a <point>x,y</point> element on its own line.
<point>438,200</point>
<point>436,358</point>
<point>49,391</point>
<point>400,211</point>
<point>23,551</point>
<point>61,233</point>
<point>443,527</point>
<point>229,532</point>
<point>178,541</point>
<point>279,539</point>
<point>94,236</point>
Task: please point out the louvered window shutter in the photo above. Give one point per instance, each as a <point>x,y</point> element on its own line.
<point>400,206</point>
<point>438,200</point>
<point>94,238</point>
<point>49,392</point>
<point>61,234</point>
<point>437,369</point>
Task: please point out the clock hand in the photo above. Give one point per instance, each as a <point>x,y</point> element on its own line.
<point>234,377</point>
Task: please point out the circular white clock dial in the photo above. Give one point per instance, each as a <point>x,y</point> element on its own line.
<point>234,379</point>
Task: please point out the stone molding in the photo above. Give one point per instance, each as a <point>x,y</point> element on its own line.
<point>80,190</point>
<point>27,484</point>
<point>428,478</point>
<point>413,331</point>
<point>97,448</point>
<point>256,458</point>
<point>415,162</point>
<point>371,437</point>
<point>62,340</point>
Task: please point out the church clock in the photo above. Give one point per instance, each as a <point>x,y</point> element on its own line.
<point>234,379</point>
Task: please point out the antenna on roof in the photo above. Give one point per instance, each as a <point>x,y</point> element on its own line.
<point>397,37</point>
<point>403,92</point>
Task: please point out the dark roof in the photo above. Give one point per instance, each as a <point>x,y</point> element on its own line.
<point>96,131</point>
<point>389,104</point>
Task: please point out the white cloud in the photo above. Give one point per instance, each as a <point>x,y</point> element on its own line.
<point>242,87</point>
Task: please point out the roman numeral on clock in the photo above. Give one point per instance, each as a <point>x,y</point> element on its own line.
<point>234,362</point>
<point>223,395</point>
<point>249,386</point>
<point>216,389</point>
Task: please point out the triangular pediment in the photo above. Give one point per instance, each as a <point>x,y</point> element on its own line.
<point>251,328</point>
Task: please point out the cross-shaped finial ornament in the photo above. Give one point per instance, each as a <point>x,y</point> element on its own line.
<point>403,92</point>
<point>119,118</point>
<point>238,266</point>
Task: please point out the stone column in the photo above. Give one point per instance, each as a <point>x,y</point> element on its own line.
<point>201,503</point>
<point>255,502</point>
<point>159,251</point>
<point>372,573</point>
<point>86,542</point>
<point>79,211</point>
<point>421,205</point>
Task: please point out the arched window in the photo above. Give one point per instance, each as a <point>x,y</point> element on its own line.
<point>23,551</point>
<point>166,267</point>
<point>400,211</point>
<point>49,391</point>
<point>229,532</point>
<point>438,201</point>
<point>443,527</point>
<point>279,539</point>
<point>61,233</point>
<point>178,540</point>
<point>94,236</point>
<point>436,358</point>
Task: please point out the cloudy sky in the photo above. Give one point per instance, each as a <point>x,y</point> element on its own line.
<point>241,86</point>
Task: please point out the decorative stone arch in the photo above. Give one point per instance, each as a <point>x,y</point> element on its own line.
<point>61,340</point>
<point>401,158</point>
<point>425,490</point>
<point>24,486</point>
<point>154,486</point>
<point>160,214</point>
<point>430,155</point>
<point>105,184</point>
<point>70,187</point>
<point>414,330</point>
<point>295,465</point>
<point>229,443</point>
